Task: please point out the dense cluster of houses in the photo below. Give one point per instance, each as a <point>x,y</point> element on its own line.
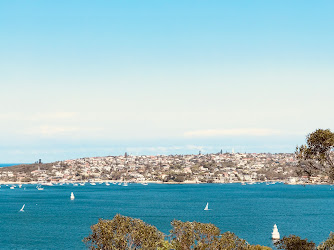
<point>201,168</point>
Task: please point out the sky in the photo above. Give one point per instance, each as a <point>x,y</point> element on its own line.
<point>94,78</point>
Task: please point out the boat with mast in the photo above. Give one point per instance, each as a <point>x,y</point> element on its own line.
<point>207,207</point>
<point>22,209</point>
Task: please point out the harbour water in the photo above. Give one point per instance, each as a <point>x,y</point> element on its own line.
<point>8,164</point>
<point>51,220</point>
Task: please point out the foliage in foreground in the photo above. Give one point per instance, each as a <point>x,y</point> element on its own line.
<point>124,233</point>
<point>127,233</point>
<point>317,154</point>
<point>328,244</point>
<point>294,242</point>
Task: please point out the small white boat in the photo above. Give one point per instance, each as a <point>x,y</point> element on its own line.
<point>39,187</point>
<point>275,234</point>
<point>107,184</point>
<point>207,207</point>
<point>20,185</point>
<point>75,184</point>
<point>72,196</point>
<point>125,184</point>
<point>145,183</point>
<point>93,183</point>
<point>22,209</point>
<point>12,187</point>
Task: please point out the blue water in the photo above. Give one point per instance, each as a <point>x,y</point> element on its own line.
<point>8,164</point>
<point>52,221</point>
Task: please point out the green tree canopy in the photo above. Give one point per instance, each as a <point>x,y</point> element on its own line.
<point>193,235</point>
<point>124,233</point>
<point>316,155</point>
<point>328,244</point>
<point>293,242</point>
<point>127,233</point>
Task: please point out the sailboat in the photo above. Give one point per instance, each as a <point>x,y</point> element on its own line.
<point>72,196</point>
<point>22,209</point>
<point>275,234</point>
<point>207,206</point>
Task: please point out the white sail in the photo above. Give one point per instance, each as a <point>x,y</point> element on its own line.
<point>22,209</point>
<point>207,206</point>
<point>72,196</point>
<point>275,234</point>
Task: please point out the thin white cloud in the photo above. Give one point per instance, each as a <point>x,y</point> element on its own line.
<point>46,116</point>
<point>52,131</point>
<point>232,132</point>
<point>53,116</point>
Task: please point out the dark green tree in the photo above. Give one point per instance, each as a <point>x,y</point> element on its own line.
<point>127,233</point>
<point>229,240</point>
<point>328,244</point>
<point>317,153</point>
<point>124,233</point>
<point>293,242</point>
<point>202,236</point>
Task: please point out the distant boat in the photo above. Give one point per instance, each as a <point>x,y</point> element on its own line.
<point>145,183</point>
<point>107,184</point>
<point>12,187</point>
<point>22,209</point>
<point>275,234</point>
<point>72,196</point>
<point>207,207</point>
<point>93,183</point>
<point>39,187</point>
<point>125,184</point>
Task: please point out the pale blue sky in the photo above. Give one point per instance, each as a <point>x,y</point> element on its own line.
<point>85,78</point>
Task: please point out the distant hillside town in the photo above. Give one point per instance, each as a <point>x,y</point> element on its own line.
<point>200,168</point>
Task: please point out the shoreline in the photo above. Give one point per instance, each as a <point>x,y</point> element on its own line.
<point>158,182</point>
